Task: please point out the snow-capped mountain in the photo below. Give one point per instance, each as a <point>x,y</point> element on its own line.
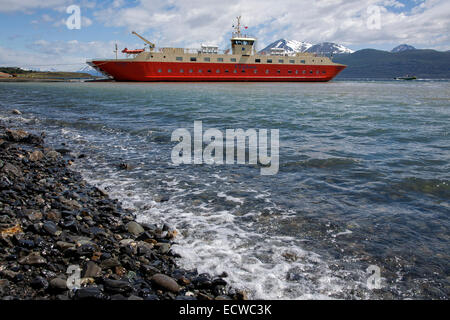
<point>329,48</point>
<point>402,47</point>
<point>90,70</point>
<point>294,46</point>
<point>290,46</point>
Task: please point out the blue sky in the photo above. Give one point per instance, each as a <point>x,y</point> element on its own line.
<point>34,33</point>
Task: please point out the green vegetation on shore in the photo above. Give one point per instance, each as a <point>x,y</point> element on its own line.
<point>21,74</point>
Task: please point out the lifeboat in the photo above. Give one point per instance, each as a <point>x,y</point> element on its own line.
<point>135,51</point>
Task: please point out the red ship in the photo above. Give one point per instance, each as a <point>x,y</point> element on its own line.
<point>208,64</point>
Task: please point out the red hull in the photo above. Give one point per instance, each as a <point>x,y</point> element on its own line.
<point>179,71</point>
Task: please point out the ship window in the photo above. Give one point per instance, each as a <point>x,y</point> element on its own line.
<point>257,60</point>
<point>233,59</point>
<point>289,71</point>
<point>321,60</point>
<point>193,59</point>
<point>181,71</point>
<point>269,60</point>
<point>291,61</point>
<point>243,70</point>
<point>200,71</point>
<point>226,70</point>
<point>267,71</point>
<point>209,70</point>
<point>220,59</point>
<point>281,61</point>
<point>206,59</point>
<point>218,71</point>
<point>190,70</point>
<point>324,71</point>
<point>302,61</point>
<point>312,60</point>
<point>243,48</point>
<point>317,71</point>
<point>234,71</point>
<point>255,71</point>
<point>296,71</point>
<point>278,71</point>
<point>310,71</point>
<point>304,71</point>
<point>159,70</point>
<point>179,58</point>
<point>169,70</point>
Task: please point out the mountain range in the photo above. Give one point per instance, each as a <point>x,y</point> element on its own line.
<point>375,64</point>
<point>378,64</point>
<point>293,46</point>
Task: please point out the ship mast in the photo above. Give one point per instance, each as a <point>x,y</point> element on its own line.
<point>238,26</point>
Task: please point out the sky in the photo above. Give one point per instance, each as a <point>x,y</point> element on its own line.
<point>34,33</point>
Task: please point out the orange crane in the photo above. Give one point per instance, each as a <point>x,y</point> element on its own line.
<point>151,45</point>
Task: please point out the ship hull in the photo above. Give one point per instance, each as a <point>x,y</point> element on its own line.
<point>144,71</point>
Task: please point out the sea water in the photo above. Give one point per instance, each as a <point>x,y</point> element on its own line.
<point>363,180</point>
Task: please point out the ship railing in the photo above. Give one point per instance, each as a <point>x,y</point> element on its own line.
<point>241,35</point>
<point>200,51</point>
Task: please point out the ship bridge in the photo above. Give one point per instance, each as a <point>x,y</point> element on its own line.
<point>241,43</point>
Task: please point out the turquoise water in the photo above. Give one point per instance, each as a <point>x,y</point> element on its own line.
<point>363,179</point>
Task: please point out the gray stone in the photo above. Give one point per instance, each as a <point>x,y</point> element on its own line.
<point>11,169</point>
<point>92,270</point>
<point>110,263</point>
<point>117,286</point>
<point>36,156</point>
<point>135,228</point>
<point>50,227</point>
<point>58,284</point>
<point>165,282</point>
<point>89,293</point>
<point>15,111</point>
<point>33,258</point>
<point>53,155</point>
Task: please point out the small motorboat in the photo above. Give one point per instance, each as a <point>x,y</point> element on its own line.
<point>407,77</point>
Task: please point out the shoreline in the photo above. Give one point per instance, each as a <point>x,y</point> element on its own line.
<point>53,222</point>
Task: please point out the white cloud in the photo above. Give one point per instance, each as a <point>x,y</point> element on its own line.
<point>190,22</point>
<point>62,55</point>
<point>27,5</point>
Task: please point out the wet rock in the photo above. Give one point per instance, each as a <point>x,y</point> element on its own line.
<point>63,151</point>
<point>3,286</point>
<point>89,293</point>
<point>203,281</point>
<point>15,111</point>
<point>50,227</point>
<point>92,270</point>
<point>65,245</point>
<point>39,283</point>
<point>36,156</point>
<point>165,282</point>
<point>58,284</point>
<point>241,295</point>
<point>161,198</point>
<point>33,258</point>
<point>53,155</point>
<point>135,228</point>
<point>117,286</point>
<point>110,263</point>
<point>11,170</point>
<point>17,135</point>
<point>125,166</point>
<point>163,247</point>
